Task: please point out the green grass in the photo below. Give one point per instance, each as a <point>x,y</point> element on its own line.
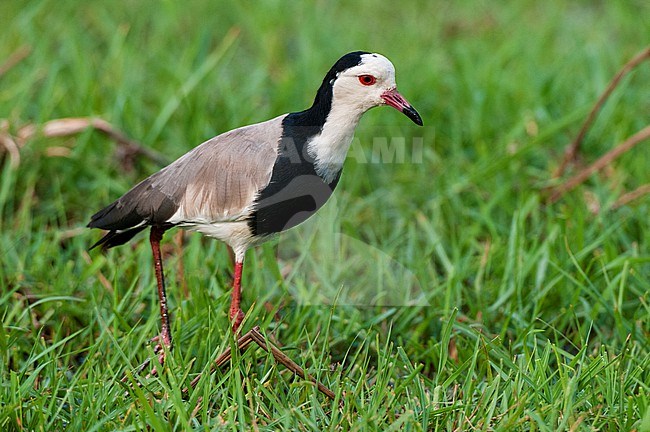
<point>437,295</point>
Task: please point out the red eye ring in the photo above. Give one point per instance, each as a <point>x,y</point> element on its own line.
<point>367,80</point>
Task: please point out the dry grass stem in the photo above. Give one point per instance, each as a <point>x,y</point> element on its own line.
<point>601,163</point>
<point>571,152</point>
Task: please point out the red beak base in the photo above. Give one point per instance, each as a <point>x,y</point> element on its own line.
<point>397,101</point>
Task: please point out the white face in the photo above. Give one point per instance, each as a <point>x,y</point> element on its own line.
<point>362,86</point>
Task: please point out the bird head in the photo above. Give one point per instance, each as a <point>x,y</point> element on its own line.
<point>365,80</point>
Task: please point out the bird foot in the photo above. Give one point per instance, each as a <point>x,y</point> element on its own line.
<point>159,351</point>
<point>236,317</point>
<point>158,348</point>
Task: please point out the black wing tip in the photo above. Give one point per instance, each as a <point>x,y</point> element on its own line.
<point>104,242</point>
<point>114,238</point>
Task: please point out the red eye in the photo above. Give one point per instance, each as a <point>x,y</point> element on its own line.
<point>367,80</point>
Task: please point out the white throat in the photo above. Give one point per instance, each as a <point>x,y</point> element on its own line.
<point>329,148</point>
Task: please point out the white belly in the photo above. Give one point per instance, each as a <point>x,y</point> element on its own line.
<point>235,234</point>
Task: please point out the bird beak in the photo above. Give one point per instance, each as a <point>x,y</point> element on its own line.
<point>397,101</point>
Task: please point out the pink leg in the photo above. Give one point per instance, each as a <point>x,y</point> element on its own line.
<point>236,314</point>
<point>165,334</point>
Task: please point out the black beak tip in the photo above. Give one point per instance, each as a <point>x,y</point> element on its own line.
<point>411,113</point>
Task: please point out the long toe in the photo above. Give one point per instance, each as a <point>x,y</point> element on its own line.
<point>159,348</point>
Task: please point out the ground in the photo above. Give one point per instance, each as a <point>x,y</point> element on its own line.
<point>438,290</point>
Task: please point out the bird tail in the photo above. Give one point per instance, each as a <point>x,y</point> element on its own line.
<point>143,205</point>
<point>117,238</point>
<point>122,223</point>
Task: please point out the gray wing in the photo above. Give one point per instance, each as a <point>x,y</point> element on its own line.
<point>215,182</point>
